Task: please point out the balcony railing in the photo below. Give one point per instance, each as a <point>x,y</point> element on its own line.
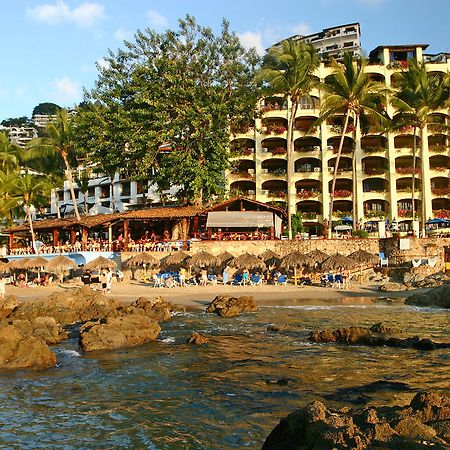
<point>375,170</point>
<point>407,170</point>
<point>306,194</point>
<point>342,193</point>
<point>440,192</point>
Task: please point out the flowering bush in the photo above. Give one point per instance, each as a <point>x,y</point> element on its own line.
<point>407,170</point>
<point>342,193</point>
<point>279,129</point>
<point>374,170</point>
<point>443,191</point>
<point>404,213</point>
<point>371,214</point>
<point>442,213</point>
<point>438,148</point>
<point>278,151</point>
<point>306,193</point>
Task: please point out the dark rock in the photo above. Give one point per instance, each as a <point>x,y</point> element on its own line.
<point>118,332</point>
<point>279,382</point>
<point>277,327</point>
<point>156,309</point>
<point>197,338</point>
<point>439,296</point>
<point>44,328</point>
<point>226,306</point>
<point>316,427</point>
<point>7,305</point>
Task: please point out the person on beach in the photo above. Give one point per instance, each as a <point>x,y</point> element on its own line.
<point>2,288</point>
<point>103,281</point>
<point>245,277</point>
<point>203,277</point>
<point>338,279</point>
<point>182,276</point>
<point>225,276</point>
<point>345,279</point>
<point>108,281</point>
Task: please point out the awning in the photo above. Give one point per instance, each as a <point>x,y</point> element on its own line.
<point>240,219</point>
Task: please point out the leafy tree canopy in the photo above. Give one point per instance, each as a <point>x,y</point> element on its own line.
<point>17,122</point>
<point>46,108</point>
<point>183,89</point>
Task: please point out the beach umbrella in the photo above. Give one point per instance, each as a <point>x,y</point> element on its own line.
<point>100,263</point>
<point>437,221</point>
<point>143,259</point>
<point>270,258</point>
<point>204,259</point>
<point>175,260</point>
<point>225,258</point>
<point>38,263</point>
<point>61,265</point>
<point>4,268</point>
<point>362,257</point>
<point>295,260</point>
<point>247,261</point>
<point>317,256</point>
<point>16,264</point>
<point>337,261</point>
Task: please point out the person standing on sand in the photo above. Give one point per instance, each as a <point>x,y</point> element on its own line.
<point>108,281</point>
<point>182,276</point>
<point>103,281</point>
<point>2,288</point>
<point>345,279</point>
<point>225,276</point>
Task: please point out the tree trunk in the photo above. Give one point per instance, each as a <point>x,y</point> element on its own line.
<point>112,197</point>
<point>85,202</point>
<point>290,163</point>
<point>336,165</point>
<point>58,211</point>
<point>30,223</point>
<point>69,178</point>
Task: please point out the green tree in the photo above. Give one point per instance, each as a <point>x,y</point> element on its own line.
<point>46,108</point>
<point>183,89</point>
<point>82,180</point>
<point>351,92</point>
<point>288,69</point>
<point>10,154</point>
<point>57,140</point>
<point>420,94</point>
<point>17,122</point>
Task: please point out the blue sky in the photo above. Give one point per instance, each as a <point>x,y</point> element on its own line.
<point>50,47</point>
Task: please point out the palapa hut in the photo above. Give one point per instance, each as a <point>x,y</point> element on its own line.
<point>249,262</point>
<point>4,267</point>
<point>225,258</point>
<point>317,256</point>
<point>60,266</point>
<point>100,263</point>
<point>38,264</point>
<point>294,261</point>
<point>174,261</point>
<point>270,258</point>
<point>203,259</point>
<point>364,258</point>
<point>337,261</point>
<point>144,260</point>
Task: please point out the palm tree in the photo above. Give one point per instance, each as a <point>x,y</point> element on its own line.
<point>351,92</point>
<point>31,191</point>
<point>83,179</point>
<point>420,94</point>
<point>58,139</point>
<point>288,69</point>
<point>9,154</point>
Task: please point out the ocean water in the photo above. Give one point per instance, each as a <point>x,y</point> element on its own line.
<point>228,394</point>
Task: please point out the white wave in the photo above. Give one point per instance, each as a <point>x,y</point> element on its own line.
<point>68,352</point>
<point>169,340</point>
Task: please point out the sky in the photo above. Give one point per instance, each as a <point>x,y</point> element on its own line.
<point>50,48</point>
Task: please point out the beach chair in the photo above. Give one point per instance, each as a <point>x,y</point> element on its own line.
<point>157,281</point>
<point>282,280</point>
<point>383,260</point>
<point>212,279</point>
<point>237,279</point>
<point>255,280</point>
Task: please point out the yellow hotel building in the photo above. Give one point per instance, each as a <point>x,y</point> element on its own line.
<point>378,185</point>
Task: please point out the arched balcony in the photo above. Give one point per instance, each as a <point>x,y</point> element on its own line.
<point>307,144</point>
<point>404,186</point>
<point>348,146</point>
<point>376,209</point>
<point>396,79</point>
<point>375,185</point>
<point>274,146</point>
<point>439,163</point>
<point>438,143</point>
<point>406,141</point>
<point>405,209</point>
<point>374,165</point>
<point>272,126</point>
<point>309,102</point>
<point>309,208</point>
<point>273,103</point>
<point>242,169</point>
<point>342,208</point>
<point>345,164</point>
<point>440,186</point>
<point>274,189</point>
<point>438,123</point>
<point>242,147</point>
<point>441,207</point>
<point>308,165</point>
<point>308,189</point>
<point>335,124</point>
<point>243,187</point>
<point>305,125</point>
<point>404,165</point>
<point>377,77</point>
<point>343,188</point>
<point>274,167</point>
<point>374,144</point>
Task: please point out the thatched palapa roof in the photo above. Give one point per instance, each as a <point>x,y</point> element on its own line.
<point>61,263</point>
<point>248,261</point>
<point>363,257</point>
<point>36,263</point>
<point>204,258</point>
<point>295,260</point>
<point>270,258</point>
<point>100,263</point>
<point>337,261</point>
<point>225,257</point>
<point>143,258</point>
<point>317,256</point>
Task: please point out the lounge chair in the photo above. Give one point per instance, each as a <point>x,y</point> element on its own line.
<point>255,280</point>
<point>282,280</point>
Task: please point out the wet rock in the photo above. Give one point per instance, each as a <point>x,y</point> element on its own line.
<point>19,349</point>
<point>279,327</point>
<point>197,339</point>
<point>7,305</point>
<point>118,332</point>
<point>317,427</point>
<point>71,306</point>
<point>155,308</point>
<point>44,328</point>
<point>369,337</point>
<point>279,381</point>
<point>390,286</point>
<point>226,306</point>
<point>439,296</point>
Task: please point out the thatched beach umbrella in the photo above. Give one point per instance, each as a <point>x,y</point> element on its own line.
<point>337,261</point>
<point>248,261</point>
<point>317,256</point>
<point>17,264</point>
<point>270,258</point>
<point>38,263</point>
<point>4,268</point>
<point>295,260</point>
<point>364,258</point>
<point>175,260</point>
<point>61,265</point>
<point>100,263</point>
<point>225,258</point>
<point>204,259</point>
<point>143,259</point>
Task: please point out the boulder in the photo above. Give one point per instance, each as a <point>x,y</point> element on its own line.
<point>19,349</point>
<point>118,332</point>
<point>439,296</point>
<point>317,427</point>
<point>7,306</point>
<point>374,336</point>
<point>71,306</point>
<point>197,339</point>
<point>227,306</point>
<point>156,309</point>
<point>389,286</point>
<point>44,328</point>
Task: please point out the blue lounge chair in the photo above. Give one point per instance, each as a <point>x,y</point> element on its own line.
<point>282,280</point>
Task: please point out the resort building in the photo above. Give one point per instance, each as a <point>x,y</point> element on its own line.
<point>375,172</point>
<point>19,135</point>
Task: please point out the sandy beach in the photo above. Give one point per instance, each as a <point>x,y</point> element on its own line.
<point>195,297</point>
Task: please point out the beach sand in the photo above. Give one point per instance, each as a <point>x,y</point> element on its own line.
<point>195,297</point>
